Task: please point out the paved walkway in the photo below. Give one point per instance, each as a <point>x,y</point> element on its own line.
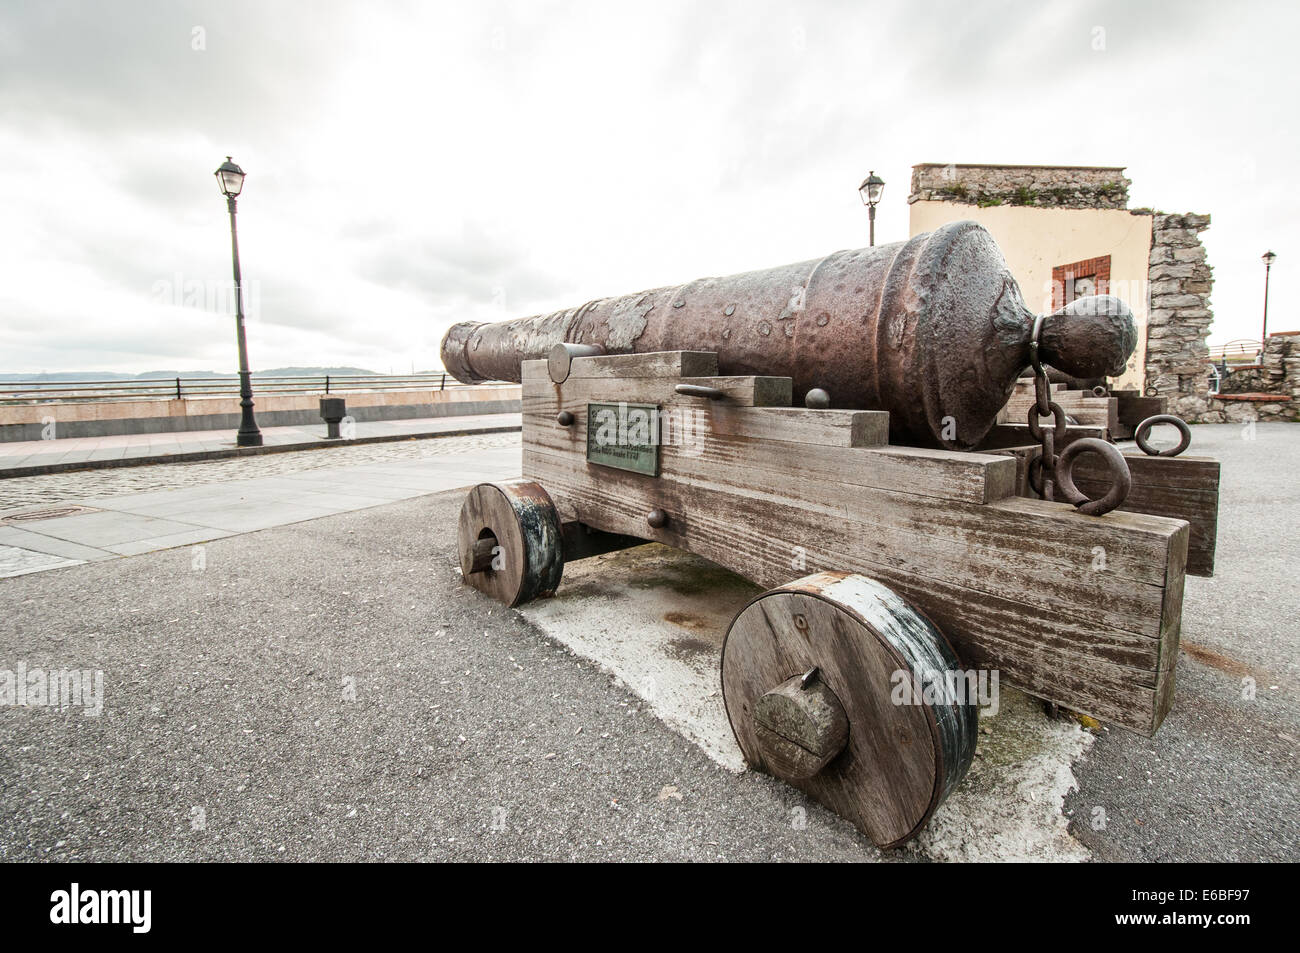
<point>97,528</point>
<point>33,457</point>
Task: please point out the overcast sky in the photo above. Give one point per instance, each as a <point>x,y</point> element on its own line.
<point>415,164</point>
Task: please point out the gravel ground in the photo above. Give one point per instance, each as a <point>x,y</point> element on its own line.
<point>118,481</point>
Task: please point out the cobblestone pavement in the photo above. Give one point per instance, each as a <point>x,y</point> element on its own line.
<point>66,487</point>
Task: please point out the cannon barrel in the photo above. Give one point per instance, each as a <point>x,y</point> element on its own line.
<point>933,330</point>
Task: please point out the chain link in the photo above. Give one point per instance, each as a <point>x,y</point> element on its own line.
<point>1042,470</point>
<point>1046,474</point>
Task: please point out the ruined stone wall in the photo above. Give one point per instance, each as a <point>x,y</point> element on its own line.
<point>1267,391</point>
<point>1179,316</point>
<point>1281,364</point>
<point>1041,186</point>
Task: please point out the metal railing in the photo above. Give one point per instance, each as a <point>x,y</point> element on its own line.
<point>178,388</point>
<point>1243,350</point>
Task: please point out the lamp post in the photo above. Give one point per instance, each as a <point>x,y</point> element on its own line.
<point>870,189</point>
<point>1267,258</point>
<point>230,178</point>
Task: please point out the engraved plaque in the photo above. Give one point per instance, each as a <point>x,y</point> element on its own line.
<point>625,436</point>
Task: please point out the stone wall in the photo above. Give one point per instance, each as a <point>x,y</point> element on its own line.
<point>1036,185</point>
<point>1281,363</point>
<point>1178,277</point>
<point>1179,316</point>
<point>1266,391</point>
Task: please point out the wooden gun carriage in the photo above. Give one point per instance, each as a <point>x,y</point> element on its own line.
<point>886,566</point>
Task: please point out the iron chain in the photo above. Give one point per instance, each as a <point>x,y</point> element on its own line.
<point>1051,475</point>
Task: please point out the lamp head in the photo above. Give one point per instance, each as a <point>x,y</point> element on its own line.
<point>872,187</point>
<point>230,178</point>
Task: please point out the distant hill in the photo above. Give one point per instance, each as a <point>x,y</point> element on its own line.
<point>315,372</point>
<point>69,376</point>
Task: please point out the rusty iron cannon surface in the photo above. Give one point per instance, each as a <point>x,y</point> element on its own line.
<point>933,330</point>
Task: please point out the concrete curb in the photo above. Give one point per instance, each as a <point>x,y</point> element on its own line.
<point>200,455</point>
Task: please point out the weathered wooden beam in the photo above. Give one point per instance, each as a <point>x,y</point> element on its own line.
<point>777,493</point>
<point>1009,435</point>
<point>1094,644</point>
<point>1134,408</point>
<point>1088,410</point>
<point>828,428</point>
<point>1185,488</point>
<point>740,391</point>
<point>655,364</point>
<point>902,536</point>
<point>766,464</point>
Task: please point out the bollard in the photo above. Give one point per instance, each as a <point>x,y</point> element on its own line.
<point>332,411</point>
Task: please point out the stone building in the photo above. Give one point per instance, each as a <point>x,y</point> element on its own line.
<point>1067,231</point>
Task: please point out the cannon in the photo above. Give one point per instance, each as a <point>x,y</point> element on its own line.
<point>932,330</point>
<point>906,539</point>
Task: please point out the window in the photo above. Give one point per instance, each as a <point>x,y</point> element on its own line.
<point>1088,277</point>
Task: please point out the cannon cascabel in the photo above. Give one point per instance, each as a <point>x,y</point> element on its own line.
<point>933,330</point>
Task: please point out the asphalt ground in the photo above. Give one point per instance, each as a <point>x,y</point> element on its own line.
<point>328,690</point>
<point>471,737</point>
<point>1221,779</point>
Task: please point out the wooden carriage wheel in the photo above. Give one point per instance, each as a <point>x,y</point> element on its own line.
<point>510,542</point>
<point>812,675</point>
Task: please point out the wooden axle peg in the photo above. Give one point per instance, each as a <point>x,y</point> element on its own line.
<point>559,361</point>
<point>483,550</point>
<point>800,726</point>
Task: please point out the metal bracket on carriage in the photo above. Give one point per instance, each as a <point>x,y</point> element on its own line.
<point>700,390</point>
<point>1144,429</point>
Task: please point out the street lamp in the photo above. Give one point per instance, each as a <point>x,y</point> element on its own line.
<point>1267,258</point>
<point>230,179</point>
<point>871,188</point>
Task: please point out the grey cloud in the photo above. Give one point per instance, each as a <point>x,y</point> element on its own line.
<point>474,267</point>
<point>120,67</point>
<point>781,98</point>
